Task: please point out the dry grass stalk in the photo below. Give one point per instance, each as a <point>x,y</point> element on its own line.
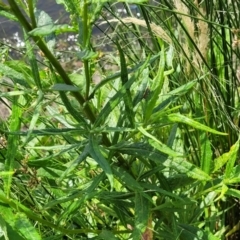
<point>187,21</point>
<point>236,38</point>
<point>189,26</point>
<point>201,39</point>
<point>157,30</point>
<point>238,75</point>
<point>235,45</point>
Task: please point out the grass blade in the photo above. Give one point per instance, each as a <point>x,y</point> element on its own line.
<point>33,62</point>
<point>124,77</point>
<point>12,145</point>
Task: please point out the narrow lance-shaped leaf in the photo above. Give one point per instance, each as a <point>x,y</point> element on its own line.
<point>75,163</point>
<point>36,114</point>
<point>233,192</point>
<point>174,95</point>
<point>138,67</point>
<point>96,154</point>
<point>10,72</point>
<point>230,164</point>
<point>224,158</point>
<point>14,93</point>
<point>78,116</point>
<point>176,117</point>
<point>112,103</point>
<point>33,62</point>
<point>206,153</point>
<point>224,190</point>
<point>126,179</point>
<point>157,86</point>
<point>159,145</point>
<point>183,166</point>
<point>124,77</point>
<point>179,164</point>
<point>143,90</point>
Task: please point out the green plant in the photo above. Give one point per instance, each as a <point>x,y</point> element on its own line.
<point>149,152</point>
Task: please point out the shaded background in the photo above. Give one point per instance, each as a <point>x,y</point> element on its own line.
<point>56,11</point>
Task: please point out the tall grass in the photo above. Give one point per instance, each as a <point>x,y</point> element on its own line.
<point>150,150</point>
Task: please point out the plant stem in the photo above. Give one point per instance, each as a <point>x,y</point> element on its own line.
<point>17,12</point>
<point>86,47</point>
<point>31,12</point>
<point>88,111</point>
<point>87,77</point>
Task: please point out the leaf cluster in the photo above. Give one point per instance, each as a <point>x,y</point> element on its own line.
<point>150,151</point>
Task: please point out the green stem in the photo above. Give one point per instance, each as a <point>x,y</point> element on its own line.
<point>85,46</point>
<point>61,72</point>
<point>31,12</point>
<point>17,12</point>
<point>87,77</point>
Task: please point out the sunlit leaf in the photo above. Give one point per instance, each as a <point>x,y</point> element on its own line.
<point>233,192</point>
<point>231,161</point>
<point>25,227</point>
<point>224,158</point>
<point>3,229</point>
<point>181,165</point>
<point>157,86</point>
<point>176,117</point>
<point>159,145</point>
<point>206,153</point>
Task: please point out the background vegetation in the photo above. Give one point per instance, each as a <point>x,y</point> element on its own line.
<point>140,142</point>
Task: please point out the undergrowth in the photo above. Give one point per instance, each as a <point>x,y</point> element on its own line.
<point>140,142</point>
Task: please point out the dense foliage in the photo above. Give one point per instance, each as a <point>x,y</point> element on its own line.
<point>141,141</point>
